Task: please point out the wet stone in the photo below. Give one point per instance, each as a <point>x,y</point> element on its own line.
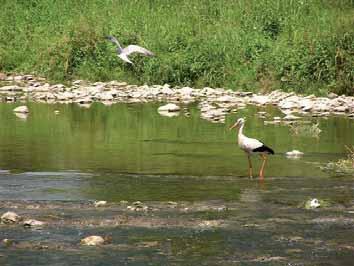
<point>21,109</point>
<point>92,241</point>
<point>33,223</point>
<point>10,218</point>
<point>100,203</point>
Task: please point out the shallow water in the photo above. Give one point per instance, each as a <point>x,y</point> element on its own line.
<point>61,163</point>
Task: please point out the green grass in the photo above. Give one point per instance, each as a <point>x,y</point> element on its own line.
<point>305,46</point>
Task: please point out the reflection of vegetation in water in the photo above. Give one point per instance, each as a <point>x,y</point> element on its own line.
<point>306,130</point>
<point>343,166</point>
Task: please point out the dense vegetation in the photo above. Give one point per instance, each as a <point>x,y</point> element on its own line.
<point>305,46</point>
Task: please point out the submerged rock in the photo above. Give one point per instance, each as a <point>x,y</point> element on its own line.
<point>10,218</point>
<point>92,241</point>
<point>21,109</point>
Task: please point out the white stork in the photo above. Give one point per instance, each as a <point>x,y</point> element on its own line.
<point>251,146</point>
<point>124,52</point>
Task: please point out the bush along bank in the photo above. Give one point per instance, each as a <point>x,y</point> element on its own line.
<point>301,46</point>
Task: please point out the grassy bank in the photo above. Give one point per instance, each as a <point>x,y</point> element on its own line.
<point>306,46</point>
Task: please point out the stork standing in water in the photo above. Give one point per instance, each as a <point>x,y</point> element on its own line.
<point>124,52</point>
<point>251,146</point>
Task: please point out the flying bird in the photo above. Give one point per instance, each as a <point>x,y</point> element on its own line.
<point>124,52</point>
<point>251,146</point>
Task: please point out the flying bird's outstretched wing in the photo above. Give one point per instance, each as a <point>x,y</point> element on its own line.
<point>137,49</point>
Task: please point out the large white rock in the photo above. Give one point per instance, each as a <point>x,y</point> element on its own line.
<point>21,109</point>
<point>10,218</point>
<point>185,91</point>
<point>260,99</point>
<point>92,241</point>
<point>100,203</point>
<point>106,96</point>
<point>170,107</point>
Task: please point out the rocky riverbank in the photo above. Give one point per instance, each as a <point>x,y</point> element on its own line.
<point>214,103</point>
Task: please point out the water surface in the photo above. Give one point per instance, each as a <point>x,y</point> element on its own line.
<point>129,152</point>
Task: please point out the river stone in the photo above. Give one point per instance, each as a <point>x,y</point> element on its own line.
<point>225,99</point>
<point>3,76</point>
<point>332,95</point>
<point>287,105</point>
<point>168,114</point>
<point>340,109</point>
<point>100,203</point>
<point>84,100</point>
<point>210,223</point>
<point>167,90</point>
<point>312,204</point>
<point>291,117</point>
<point>10,218</point>
<point>294,153</point>
<point>185,91</point>
<point>21,109</point>
<point>65,96</point>
<point>170,107</point>
<point>7,242</point>
<point>33,223</point>
<point>92,241</point>
<point>77,82</point>
<point>260,99</point>
<point>106,96</point>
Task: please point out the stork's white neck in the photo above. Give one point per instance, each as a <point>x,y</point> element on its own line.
<point>240,131</point>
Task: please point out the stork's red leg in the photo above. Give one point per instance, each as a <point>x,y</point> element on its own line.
<point>249,166</point>
<point>261,172</point>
